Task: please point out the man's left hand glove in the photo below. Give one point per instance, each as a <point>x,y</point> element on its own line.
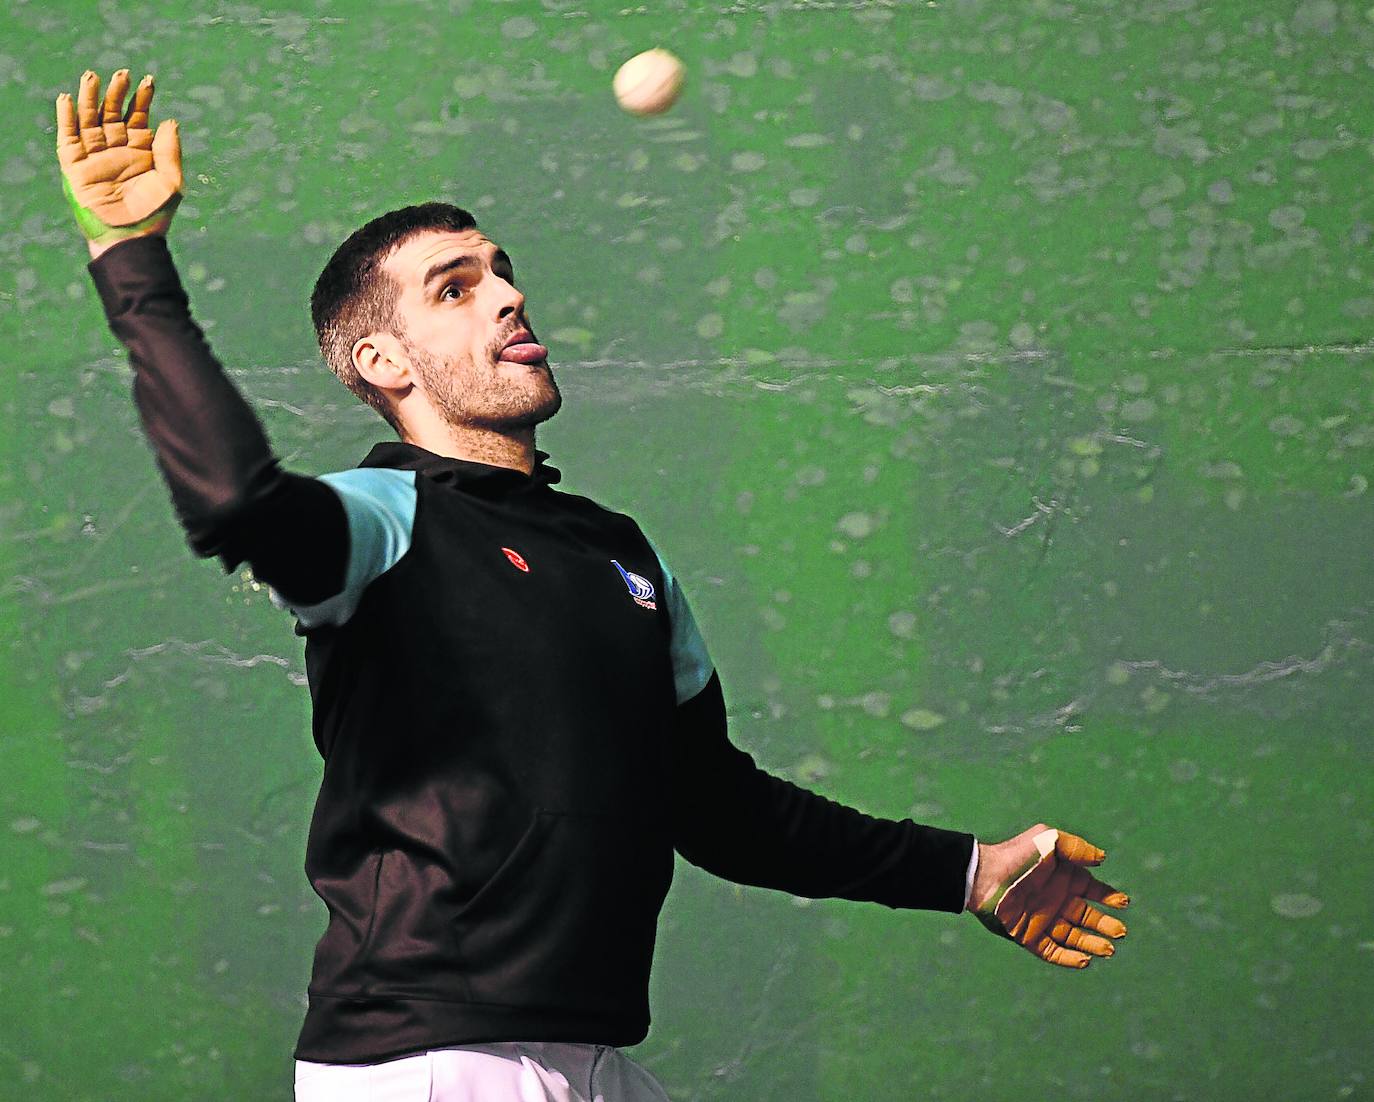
<point>1043,904</point>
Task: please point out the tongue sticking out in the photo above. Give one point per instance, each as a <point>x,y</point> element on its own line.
<point>527,353</point>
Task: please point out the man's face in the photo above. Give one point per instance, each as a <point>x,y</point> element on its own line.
<point>460,308</point>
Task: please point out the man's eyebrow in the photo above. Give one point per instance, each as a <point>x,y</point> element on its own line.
<point>466,260</point>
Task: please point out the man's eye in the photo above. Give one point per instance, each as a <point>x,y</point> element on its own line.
<point>449,287</point>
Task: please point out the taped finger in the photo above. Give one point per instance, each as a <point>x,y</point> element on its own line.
<point>1098,921</point>
<point>114,97</point>
<point>1077,938</point>
<point>88,114</point>
<point>112,117</point>
<point>1079,851</point>
<point>137,118</point>
<point>69,147</point>
<point>1055,953</point>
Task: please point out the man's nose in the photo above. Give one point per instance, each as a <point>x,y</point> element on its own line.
<point>510,300</point>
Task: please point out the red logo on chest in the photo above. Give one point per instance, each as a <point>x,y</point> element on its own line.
<point>516,559</point>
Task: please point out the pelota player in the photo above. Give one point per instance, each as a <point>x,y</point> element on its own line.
<point>519,720</point>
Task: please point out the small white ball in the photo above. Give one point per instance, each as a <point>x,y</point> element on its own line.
<point>648,83</point>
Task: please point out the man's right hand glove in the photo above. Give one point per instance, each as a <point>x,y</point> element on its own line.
<point>120,178</point>
<point>1042,903</point>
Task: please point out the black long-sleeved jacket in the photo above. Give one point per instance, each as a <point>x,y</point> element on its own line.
<point>518,718</point>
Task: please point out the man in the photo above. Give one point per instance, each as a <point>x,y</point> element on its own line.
<point>519,720</point>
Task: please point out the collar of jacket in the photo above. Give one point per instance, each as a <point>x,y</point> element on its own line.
<point>444,468</point>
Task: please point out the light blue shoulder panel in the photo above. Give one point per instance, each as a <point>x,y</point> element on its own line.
<point>380,503</point>
<point>692,666</point>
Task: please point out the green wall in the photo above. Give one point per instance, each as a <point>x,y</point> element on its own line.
<point>997,378</point>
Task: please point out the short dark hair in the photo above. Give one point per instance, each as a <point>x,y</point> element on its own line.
<point>355,296</point>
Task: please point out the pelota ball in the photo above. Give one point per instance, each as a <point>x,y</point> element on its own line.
<point>648,83</point>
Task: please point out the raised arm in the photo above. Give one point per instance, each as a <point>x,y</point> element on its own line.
<point>124,184</point>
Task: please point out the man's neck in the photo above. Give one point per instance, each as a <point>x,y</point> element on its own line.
<point>514,449</point>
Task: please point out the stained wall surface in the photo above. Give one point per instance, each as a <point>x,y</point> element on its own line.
<point>998,380</point>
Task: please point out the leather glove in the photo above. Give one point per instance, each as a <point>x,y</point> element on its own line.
<point>1043,906</point>
<point>120,178</point>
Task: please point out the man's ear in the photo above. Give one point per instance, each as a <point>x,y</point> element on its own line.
<point>382,361</point>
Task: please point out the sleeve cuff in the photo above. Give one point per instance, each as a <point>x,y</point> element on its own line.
<point>128,272</point>
<point>972,872</point>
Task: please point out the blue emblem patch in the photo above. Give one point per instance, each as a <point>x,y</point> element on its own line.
<point>641,589</point>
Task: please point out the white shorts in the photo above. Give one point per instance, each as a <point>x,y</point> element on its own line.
<point>509,1071</point>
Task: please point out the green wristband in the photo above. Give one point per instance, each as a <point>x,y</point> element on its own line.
<point>102,233</point>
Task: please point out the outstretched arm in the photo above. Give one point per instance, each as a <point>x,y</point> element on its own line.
<point>234,501</point>
<point>733,819</point>
<point>739,822</point>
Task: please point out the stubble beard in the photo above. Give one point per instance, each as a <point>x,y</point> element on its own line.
<point>465,396</point>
